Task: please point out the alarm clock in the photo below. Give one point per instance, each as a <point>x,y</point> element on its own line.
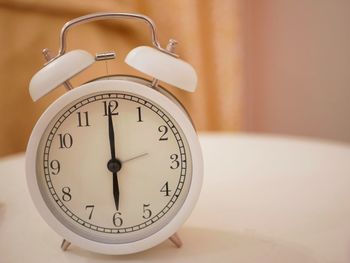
<point>114,166</point>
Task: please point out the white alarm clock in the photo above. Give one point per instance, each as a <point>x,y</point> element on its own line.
<point>114,165</point>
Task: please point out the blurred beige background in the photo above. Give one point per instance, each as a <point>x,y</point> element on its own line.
<point>274,66</point>
<point>298,67</point>
<point>209,38</point>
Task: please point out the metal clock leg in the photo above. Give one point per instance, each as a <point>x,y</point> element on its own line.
<point>65,244</point>
<point>176,240</point>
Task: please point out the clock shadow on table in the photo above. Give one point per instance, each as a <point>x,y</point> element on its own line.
<point>208,245</point>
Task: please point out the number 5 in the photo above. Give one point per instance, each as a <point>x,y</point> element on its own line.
<point>147,213</point>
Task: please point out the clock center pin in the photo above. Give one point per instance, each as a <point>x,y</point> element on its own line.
<point>114,165</point>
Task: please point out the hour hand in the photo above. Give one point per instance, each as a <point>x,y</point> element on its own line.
<point>114,166</point>
<point>116,190</point>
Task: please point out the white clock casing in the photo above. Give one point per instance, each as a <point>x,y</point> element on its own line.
<point>131,87</point>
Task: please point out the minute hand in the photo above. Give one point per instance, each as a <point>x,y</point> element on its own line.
<point>111,134</point>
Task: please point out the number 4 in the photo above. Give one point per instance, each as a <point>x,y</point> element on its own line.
<point>165,189</point>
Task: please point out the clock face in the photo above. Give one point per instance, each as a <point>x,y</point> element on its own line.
<point>113,167</point>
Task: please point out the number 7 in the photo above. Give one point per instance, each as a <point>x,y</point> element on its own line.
<point>92,210</point>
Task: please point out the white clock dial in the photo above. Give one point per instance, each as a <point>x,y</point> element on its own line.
<point>153,180</point>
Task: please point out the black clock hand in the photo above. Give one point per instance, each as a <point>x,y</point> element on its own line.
<point>113,164</point>
<point>111,134</point>
<point>116,190</point>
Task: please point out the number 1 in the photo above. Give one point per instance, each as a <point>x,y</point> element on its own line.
<point>139,114</point>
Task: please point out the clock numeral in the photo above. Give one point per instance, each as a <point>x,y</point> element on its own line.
<point>174,161</point>
<point>163,129</point>
<point>66,140</point>
<point>139,114</point>
<point>66,194</point>
<point>83,119</point>
<point>55,167</point>
<point>91,208</point>
<point>113,105</point>
<point>165,189</point>
<point>147,213</point>
<point>117,220</point>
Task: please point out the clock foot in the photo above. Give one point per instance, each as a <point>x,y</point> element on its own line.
<point>176,240</point>
<point>65,244</point>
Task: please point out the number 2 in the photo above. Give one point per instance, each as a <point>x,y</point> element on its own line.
<point>163,129</point>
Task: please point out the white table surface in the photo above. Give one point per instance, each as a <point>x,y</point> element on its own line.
<point>264,199</point>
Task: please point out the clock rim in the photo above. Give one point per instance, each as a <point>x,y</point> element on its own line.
<point>172,109</point>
